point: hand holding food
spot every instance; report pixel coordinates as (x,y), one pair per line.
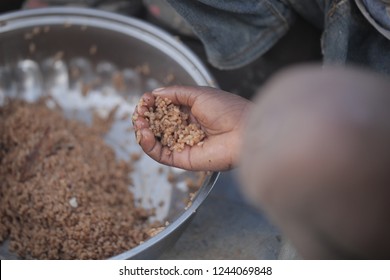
(194,128)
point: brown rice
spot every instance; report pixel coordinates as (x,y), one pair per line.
(171,126)
(63,195)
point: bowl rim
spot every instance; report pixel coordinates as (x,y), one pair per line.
(109,20)
(26,18)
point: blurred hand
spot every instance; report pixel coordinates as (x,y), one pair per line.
(220,114)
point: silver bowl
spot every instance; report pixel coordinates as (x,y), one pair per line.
(58,51)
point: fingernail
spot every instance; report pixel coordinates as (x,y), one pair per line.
(157,90)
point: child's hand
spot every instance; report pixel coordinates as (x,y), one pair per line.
(221,116)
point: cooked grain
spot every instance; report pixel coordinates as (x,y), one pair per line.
(63,195)
(170,125)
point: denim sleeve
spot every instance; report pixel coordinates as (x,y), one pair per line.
(348,38)
(379,11)
(236,32)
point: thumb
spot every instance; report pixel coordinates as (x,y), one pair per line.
(183,95)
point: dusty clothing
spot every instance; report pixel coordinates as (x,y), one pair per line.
(237,32)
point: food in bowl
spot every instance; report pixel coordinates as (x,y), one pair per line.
(79,78)
(63,194)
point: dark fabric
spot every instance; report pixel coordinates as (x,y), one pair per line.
(235,32)
(350,39)
(377,9)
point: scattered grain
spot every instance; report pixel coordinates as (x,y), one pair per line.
(143,69)
(59,55)
(118,81)
(171,177)
(135,157)
(154,231)
(85,88)
(36,30)
(93,50)
(67,24)
(28,36)
(169,79)
(31,47)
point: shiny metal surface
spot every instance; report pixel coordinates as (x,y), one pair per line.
(40,52)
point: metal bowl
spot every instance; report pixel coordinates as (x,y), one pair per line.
(58,51)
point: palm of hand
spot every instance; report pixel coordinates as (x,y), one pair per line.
(220,114)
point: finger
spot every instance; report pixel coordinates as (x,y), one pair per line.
(148,142)
(140,123)
(210,156)
(146,101)
(154,149)
(195,158)
(183,95)
(162,154)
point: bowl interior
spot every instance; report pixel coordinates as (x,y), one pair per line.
(88,61)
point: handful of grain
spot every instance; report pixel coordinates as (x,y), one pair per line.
(170,125)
